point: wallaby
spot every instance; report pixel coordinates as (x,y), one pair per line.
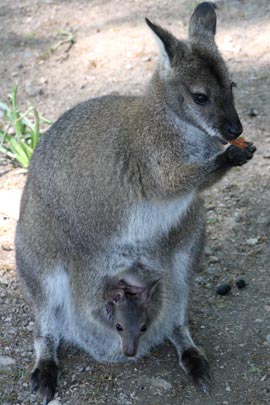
(117,179)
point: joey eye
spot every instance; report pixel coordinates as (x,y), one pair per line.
(200,98)
(144,328)
(118,327)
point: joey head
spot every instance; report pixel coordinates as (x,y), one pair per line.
(127,308)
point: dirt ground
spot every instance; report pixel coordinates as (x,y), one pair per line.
(114,52)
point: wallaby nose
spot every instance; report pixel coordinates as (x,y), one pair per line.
(235,130)
(129,351)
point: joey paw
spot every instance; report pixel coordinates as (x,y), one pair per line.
(237,156)
(44,380)
(197,368)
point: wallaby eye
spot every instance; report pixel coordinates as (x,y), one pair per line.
(118,327)
(233,84)
(144,328)
(200,98)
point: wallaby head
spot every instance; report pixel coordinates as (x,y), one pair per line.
(128,308)
(193,80)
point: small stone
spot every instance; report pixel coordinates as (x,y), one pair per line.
(240,283)
(266,155)
(7,246)
(54,402)
(252,241)
(160,384)
(213,259)
(268,339)
(11,131)
(263,220)
(146,58)
(223,289)
(253,112)
(6,361)
(32,90)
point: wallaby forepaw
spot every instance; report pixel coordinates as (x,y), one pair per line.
(44,380)
(197,368)
(237,156)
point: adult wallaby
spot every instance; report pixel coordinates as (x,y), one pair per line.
(117,178)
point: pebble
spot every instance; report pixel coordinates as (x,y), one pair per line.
(54,402)
(7,246)
(213,259)
(253,112)
(252,241)
(263,220)
(223,289)
(268,339)
(146,58)
(6,361)
(160,384)
(32,90)
(240,283)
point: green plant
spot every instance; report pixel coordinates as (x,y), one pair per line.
(19,132)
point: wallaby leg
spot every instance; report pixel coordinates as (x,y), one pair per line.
(44,375)
(191,359)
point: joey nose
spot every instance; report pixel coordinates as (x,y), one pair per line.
(129,351)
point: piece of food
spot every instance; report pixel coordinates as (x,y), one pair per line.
(240,143)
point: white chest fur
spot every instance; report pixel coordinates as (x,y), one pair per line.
(150,220)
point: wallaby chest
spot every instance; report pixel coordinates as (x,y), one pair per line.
(151,220)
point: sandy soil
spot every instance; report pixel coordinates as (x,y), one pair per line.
(114,52)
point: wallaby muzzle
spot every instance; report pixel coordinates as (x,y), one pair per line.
(231,126)
(129,346)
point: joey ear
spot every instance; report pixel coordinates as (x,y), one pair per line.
(203,21)
(169,46)
(131,289)
(116,295)
(146,295)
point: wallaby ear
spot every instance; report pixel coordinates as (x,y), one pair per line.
(169,46)
(203,22)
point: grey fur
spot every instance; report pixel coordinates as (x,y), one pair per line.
(115,181)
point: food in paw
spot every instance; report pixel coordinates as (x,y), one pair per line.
(240,143)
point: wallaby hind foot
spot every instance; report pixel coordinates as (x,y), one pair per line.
(196,366)
(191,359)
(44,380)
